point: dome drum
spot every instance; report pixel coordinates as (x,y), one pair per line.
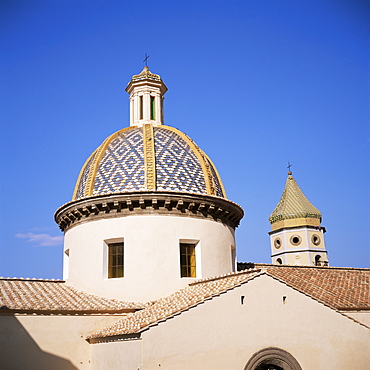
(141,203)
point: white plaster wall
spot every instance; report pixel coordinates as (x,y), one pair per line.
(361,316)
(152,254)
(109,356)
(224,334)
(43,342)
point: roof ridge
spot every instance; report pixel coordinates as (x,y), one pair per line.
(314,267)
(31,279)
(161,310)
(219,277)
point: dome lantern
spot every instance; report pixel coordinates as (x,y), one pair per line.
(146,98)
(148,156)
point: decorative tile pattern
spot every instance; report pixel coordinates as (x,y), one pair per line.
(217,184)
(177,166)
(122,166)
(148,158)
(149,155)
(83,180)
(293,204)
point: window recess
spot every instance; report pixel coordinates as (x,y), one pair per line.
(152,108)
(187,260)
(115,260)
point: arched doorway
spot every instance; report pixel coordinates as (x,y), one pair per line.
(272,358)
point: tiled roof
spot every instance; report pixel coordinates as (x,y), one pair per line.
(54,295)
(293,204)
(338,288)
(176,303)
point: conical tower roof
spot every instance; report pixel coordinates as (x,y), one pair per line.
(293,204)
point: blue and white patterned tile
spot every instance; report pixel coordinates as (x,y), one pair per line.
(122,166)
(173,157)
(83,181)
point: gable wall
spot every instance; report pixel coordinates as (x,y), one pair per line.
(224,334)
(117,355)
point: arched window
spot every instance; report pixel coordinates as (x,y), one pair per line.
(279,261)
(272,358)
(317,260)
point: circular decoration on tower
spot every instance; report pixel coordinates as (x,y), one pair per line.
(277,243)
(295,240)
(315,239)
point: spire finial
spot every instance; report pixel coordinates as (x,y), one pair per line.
(288,167)
(146,59)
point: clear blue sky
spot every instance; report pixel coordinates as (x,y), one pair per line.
(255,83)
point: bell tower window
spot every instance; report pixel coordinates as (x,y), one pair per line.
(152,108)
(141,107)
(115,260)
(187,260)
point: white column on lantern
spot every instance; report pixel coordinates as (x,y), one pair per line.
(146,103)
(158,113)
(131,111)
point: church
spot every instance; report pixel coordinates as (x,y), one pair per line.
(150,276)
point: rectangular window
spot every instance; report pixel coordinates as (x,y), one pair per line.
(115,260)
(187,260)
(141,107)
(233,258)
(66,264)
(152,107)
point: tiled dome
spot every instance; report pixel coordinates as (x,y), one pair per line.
(148,158)
(293,204)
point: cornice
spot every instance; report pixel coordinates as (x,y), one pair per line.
(148,203)
(298,227)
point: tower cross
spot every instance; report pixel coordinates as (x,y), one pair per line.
(288,167)
(146,59)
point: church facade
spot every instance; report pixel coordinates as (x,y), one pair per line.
(150,278)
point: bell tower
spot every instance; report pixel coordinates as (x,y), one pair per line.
(297,237)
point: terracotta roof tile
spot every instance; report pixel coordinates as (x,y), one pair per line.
(176,303)
(339,288)
(54,295)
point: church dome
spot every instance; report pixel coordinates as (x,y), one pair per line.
(148,158)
